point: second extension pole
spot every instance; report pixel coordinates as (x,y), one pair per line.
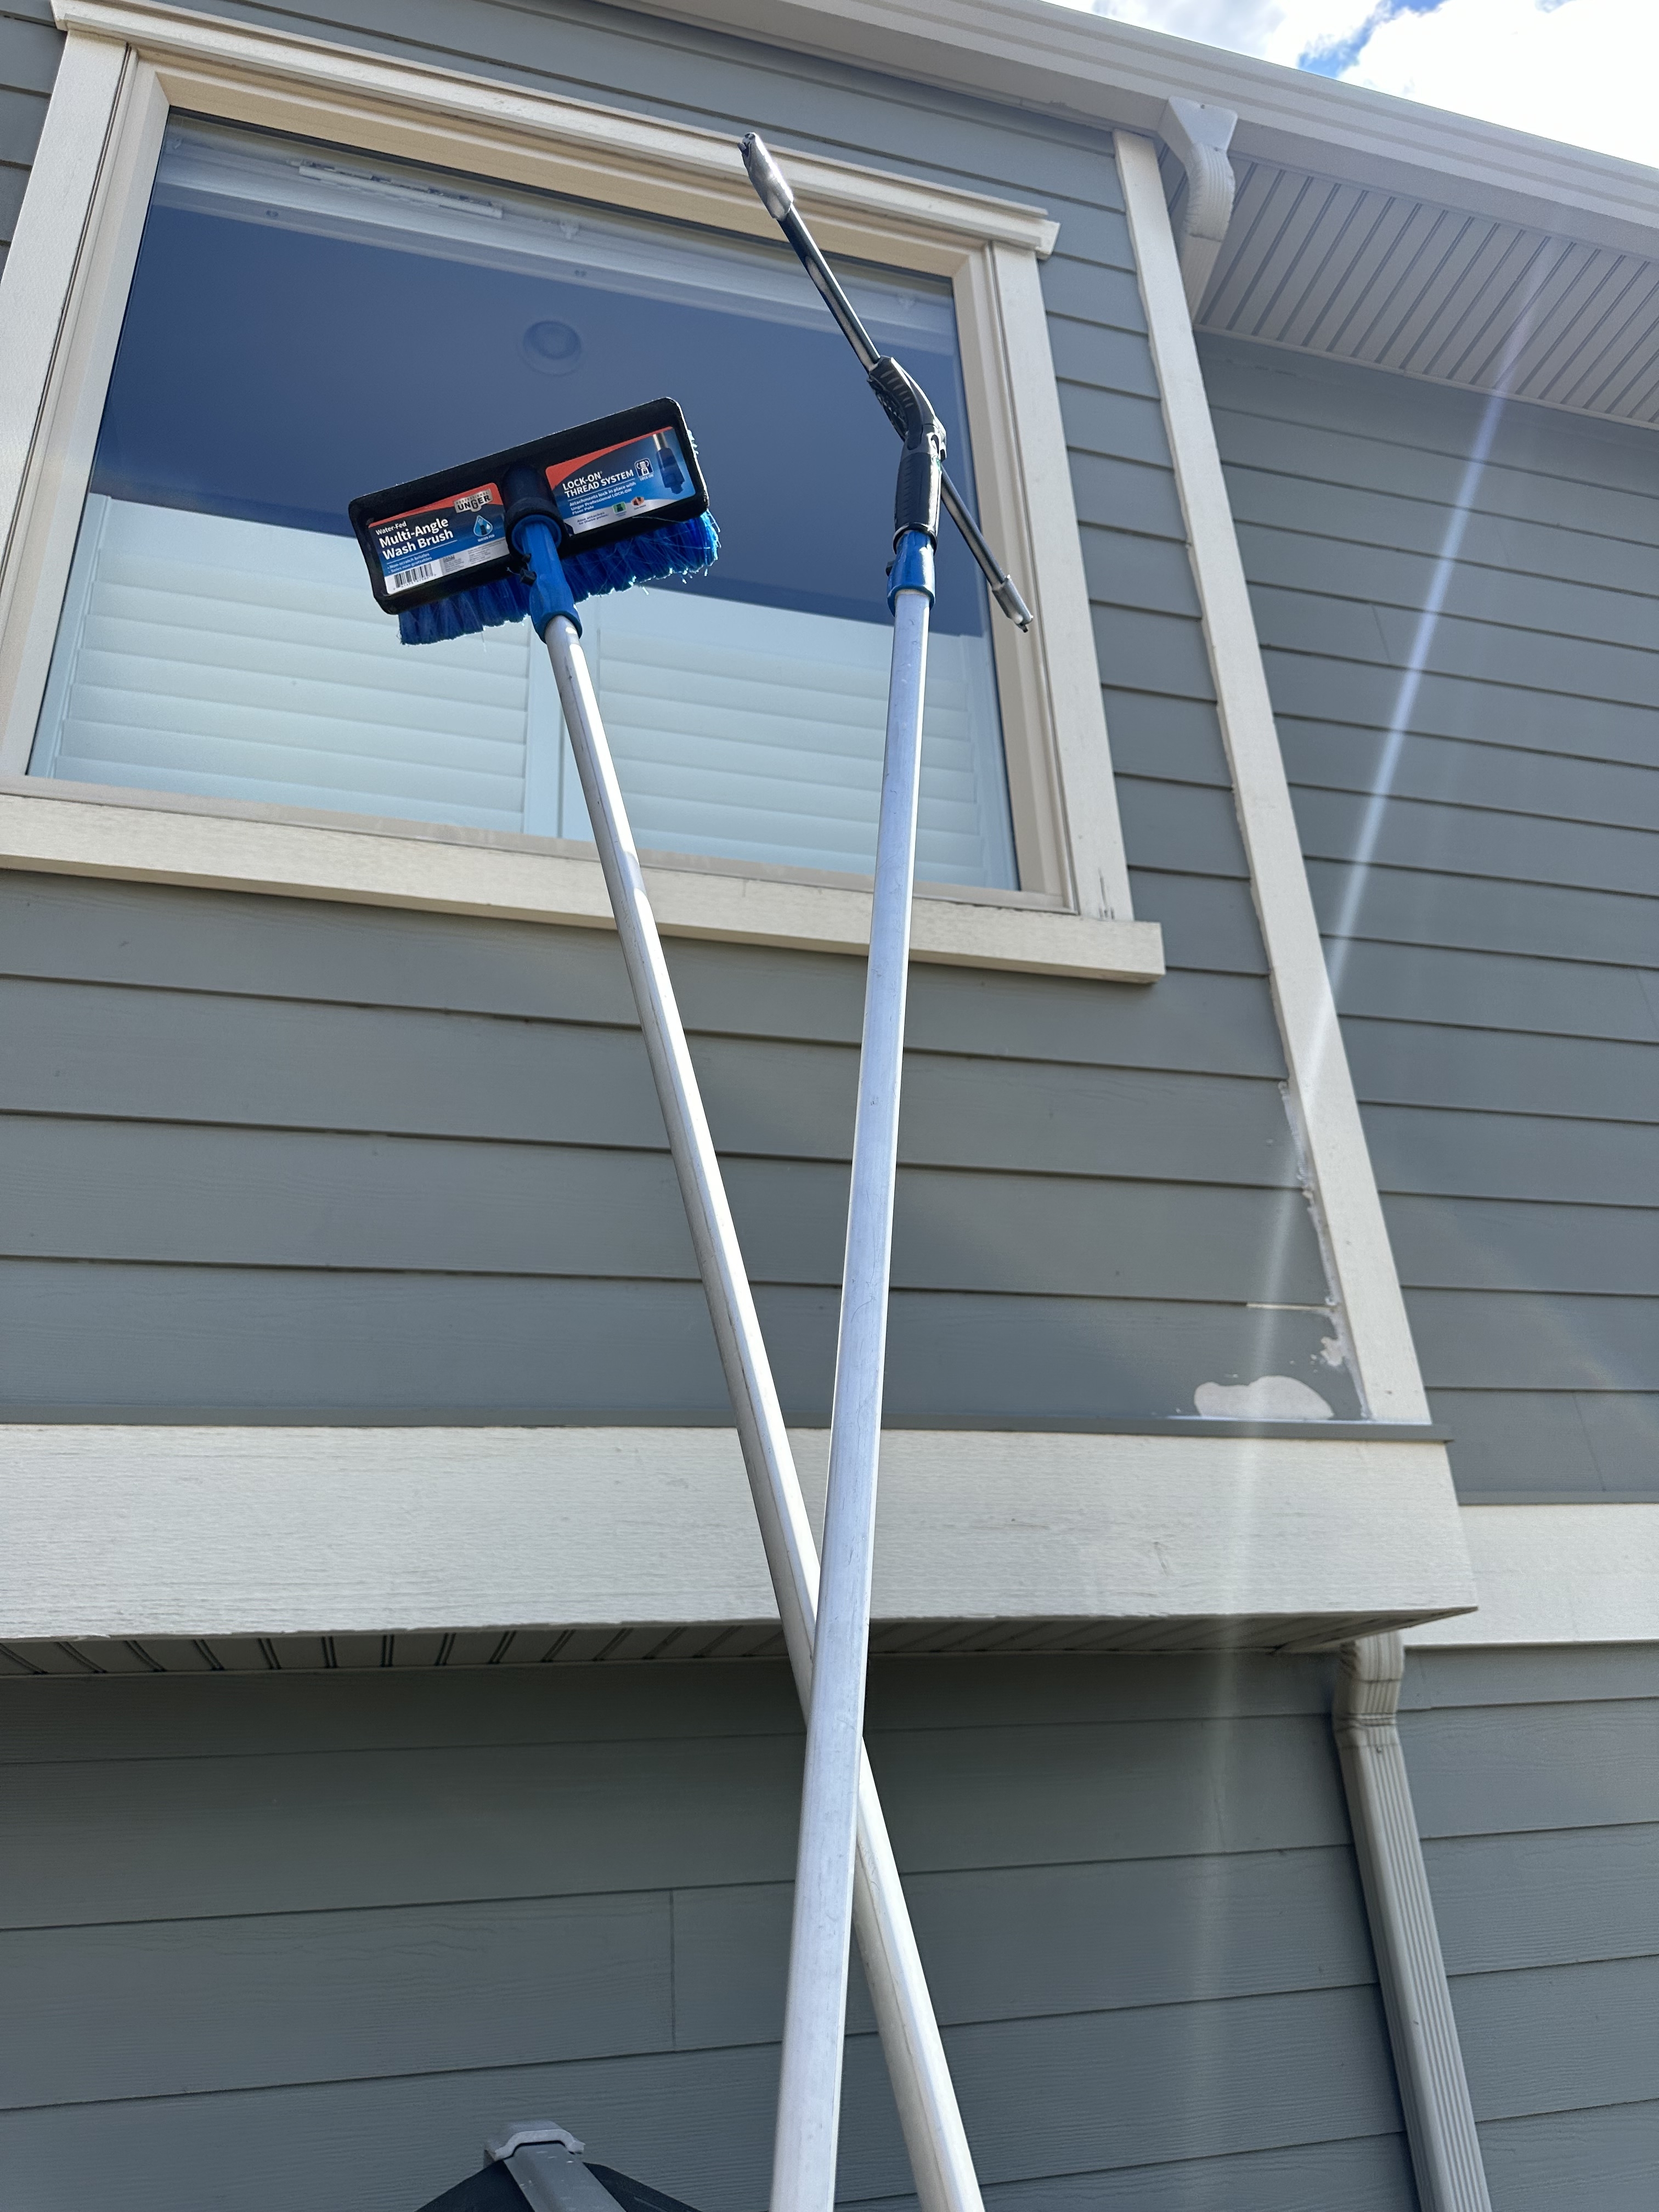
(809,2091)
(934,2138)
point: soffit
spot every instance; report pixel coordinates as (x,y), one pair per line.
(1391,281)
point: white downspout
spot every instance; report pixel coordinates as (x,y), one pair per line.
(1427,2058)
(1199,138)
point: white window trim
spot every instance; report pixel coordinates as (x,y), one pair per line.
(124,67)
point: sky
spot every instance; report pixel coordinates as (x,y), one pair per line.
(1580,71)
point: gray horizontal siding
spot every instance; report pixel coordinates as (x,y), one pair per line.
(1605,2157)
(30,44)
(156,1192)
(220,1058)
(1535,1776)
(363,956)
(698,2122)
(271,1159)
(1477,789)
(356,1922)
(1471,990)
(286,1159)
(1582,1442)
(1338,691)
(1450,772)
(1421,1149)
(194,1343)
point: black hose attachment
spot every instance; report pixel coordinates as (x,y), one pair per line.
(772,188)
(921,465)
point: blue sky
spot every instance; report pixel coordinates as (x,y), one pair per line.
(1580,71)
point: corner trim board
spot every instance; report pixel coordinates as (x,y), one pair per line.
(1321,1088)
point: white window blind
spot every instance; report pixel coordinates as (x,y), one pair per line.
(201,653)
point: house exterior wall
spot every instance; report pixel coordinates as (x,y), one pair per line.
(29,46)
(438,1178)
(356,1921)
(1478,791)
(291,1940)
(1535,1776)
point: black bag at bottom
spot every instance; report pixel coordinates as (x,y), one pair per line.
(494,2190)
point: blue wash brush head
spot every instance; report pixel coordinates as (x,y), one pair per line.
(678,549)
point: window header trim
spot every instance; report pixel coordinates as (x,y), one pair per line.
(554,144)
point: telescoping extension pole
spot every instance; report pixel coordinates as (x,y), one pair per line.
(809,2095)
(937,2147)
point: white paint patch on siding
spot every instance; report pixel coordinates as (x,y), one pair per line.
(1269,1398)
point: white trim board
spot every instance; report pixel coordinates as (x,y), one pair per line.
(1557,1574)
(120,1531)
(66,830)
(1325,1112)
(126,67)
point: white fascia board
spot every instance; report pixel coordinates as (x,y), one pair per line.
(1091,69)
(1557,1574)
(121,1531)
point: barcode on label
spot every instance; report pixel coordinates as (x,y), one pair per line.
(447,564)
(408,578)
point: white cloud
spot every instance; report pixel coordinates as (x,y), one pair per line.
(1580,71)
(1278,30)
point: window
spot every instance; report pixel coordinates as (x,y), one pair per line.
(195,686)
(305,324)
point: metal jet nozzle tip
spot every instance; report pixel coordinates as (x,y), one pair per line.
(767,178)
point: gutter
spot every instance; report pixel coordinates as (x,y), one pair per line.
(1089,69)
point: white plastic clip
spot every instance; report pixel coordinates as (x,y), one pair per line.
(532,2131)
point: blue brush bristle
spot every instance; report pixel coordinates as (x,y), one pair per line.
(678,549)
(506,599)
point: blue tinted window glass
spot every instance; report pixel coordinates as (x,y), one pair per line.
(305,325)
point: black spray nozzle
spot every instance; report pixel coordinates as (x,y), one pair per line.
(921,470)
(772,188)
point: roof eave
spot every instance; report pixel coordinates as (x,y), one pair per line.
(1090,69)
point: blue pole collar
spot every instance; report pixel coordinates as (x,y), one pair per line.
(549,591)
(913,566)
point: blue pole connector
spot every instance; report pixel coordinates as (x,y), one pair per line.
(913,566)
(550,593)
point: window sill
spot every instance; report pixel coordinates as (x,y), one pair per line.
(220,845)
